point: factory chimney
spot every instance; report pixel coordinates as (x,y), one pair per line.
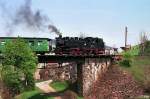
(126,34)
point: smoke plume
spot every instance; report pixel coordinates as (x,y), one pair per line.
(52,28)
(30,19)
(26,18)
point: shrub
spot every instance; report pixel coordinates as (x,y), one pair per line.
(125,63)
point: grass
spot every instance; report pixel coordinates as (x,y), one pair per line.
(59,86)
(139,65)
(34,94)
(140,70)
(79,97)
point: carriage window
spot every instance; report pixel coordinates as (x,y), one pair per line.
(3,43)
(39,43)
(31,43)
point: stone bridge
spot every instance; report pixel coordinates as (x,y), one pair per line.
(85,69)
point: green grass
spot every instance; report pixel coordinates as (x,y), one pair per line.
(138,66)
(79,97)
(59,86)
(34,94)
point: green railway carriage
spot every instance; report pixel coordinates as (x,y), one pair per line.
(38,45)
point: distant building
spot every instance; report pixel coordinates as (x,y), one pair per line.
(126,48)
(111,50)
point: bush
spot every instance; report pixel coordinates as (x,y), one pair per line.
(125,63)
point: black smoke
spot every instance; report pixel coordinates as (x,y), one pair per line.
(53,28)
(30,19)
(26,18)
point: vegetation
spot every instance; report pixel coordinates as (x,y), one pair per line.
(59,86)
(140,69)
(140,65)
(127,59)
(37,93)
(33,94)
(18,66)
(146,49)
(144,44)
(134,51)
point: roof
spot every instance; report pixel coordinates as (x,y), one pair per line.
(24,38)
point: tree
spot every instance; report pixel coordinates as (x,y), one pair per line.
(18,66)
(143,43)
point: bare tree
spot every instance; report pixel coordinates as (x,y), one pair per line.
(143,40)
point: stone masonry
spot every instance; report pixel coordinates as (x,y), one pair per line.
(89,71)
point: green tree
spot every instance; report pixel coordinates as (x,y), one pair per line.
(18,66)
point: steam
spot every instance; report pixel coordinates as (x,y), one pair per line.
(25,18)
(30,19)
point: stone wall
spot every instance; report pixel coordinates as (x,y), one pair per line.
(55,71)
(91,69)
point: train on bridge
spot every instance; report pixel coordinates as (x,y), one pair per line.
(74,46)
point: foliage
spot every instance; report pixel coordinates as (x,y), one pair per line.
(127,59)
(125,63)
(135,50)
(127,55)
(18,66)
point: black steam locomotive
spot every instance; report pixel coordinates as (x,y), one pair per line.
(79,46)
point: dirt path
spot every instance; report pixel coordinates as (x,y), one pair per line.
(115,84)
(44,86)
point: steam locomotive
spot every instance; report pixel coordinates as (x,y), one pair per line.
(62,45)
(79,46)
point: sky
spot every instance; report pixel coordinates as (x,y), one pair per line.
(97,18)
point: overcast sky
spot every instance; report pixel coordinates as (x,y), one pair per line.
(98,18)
